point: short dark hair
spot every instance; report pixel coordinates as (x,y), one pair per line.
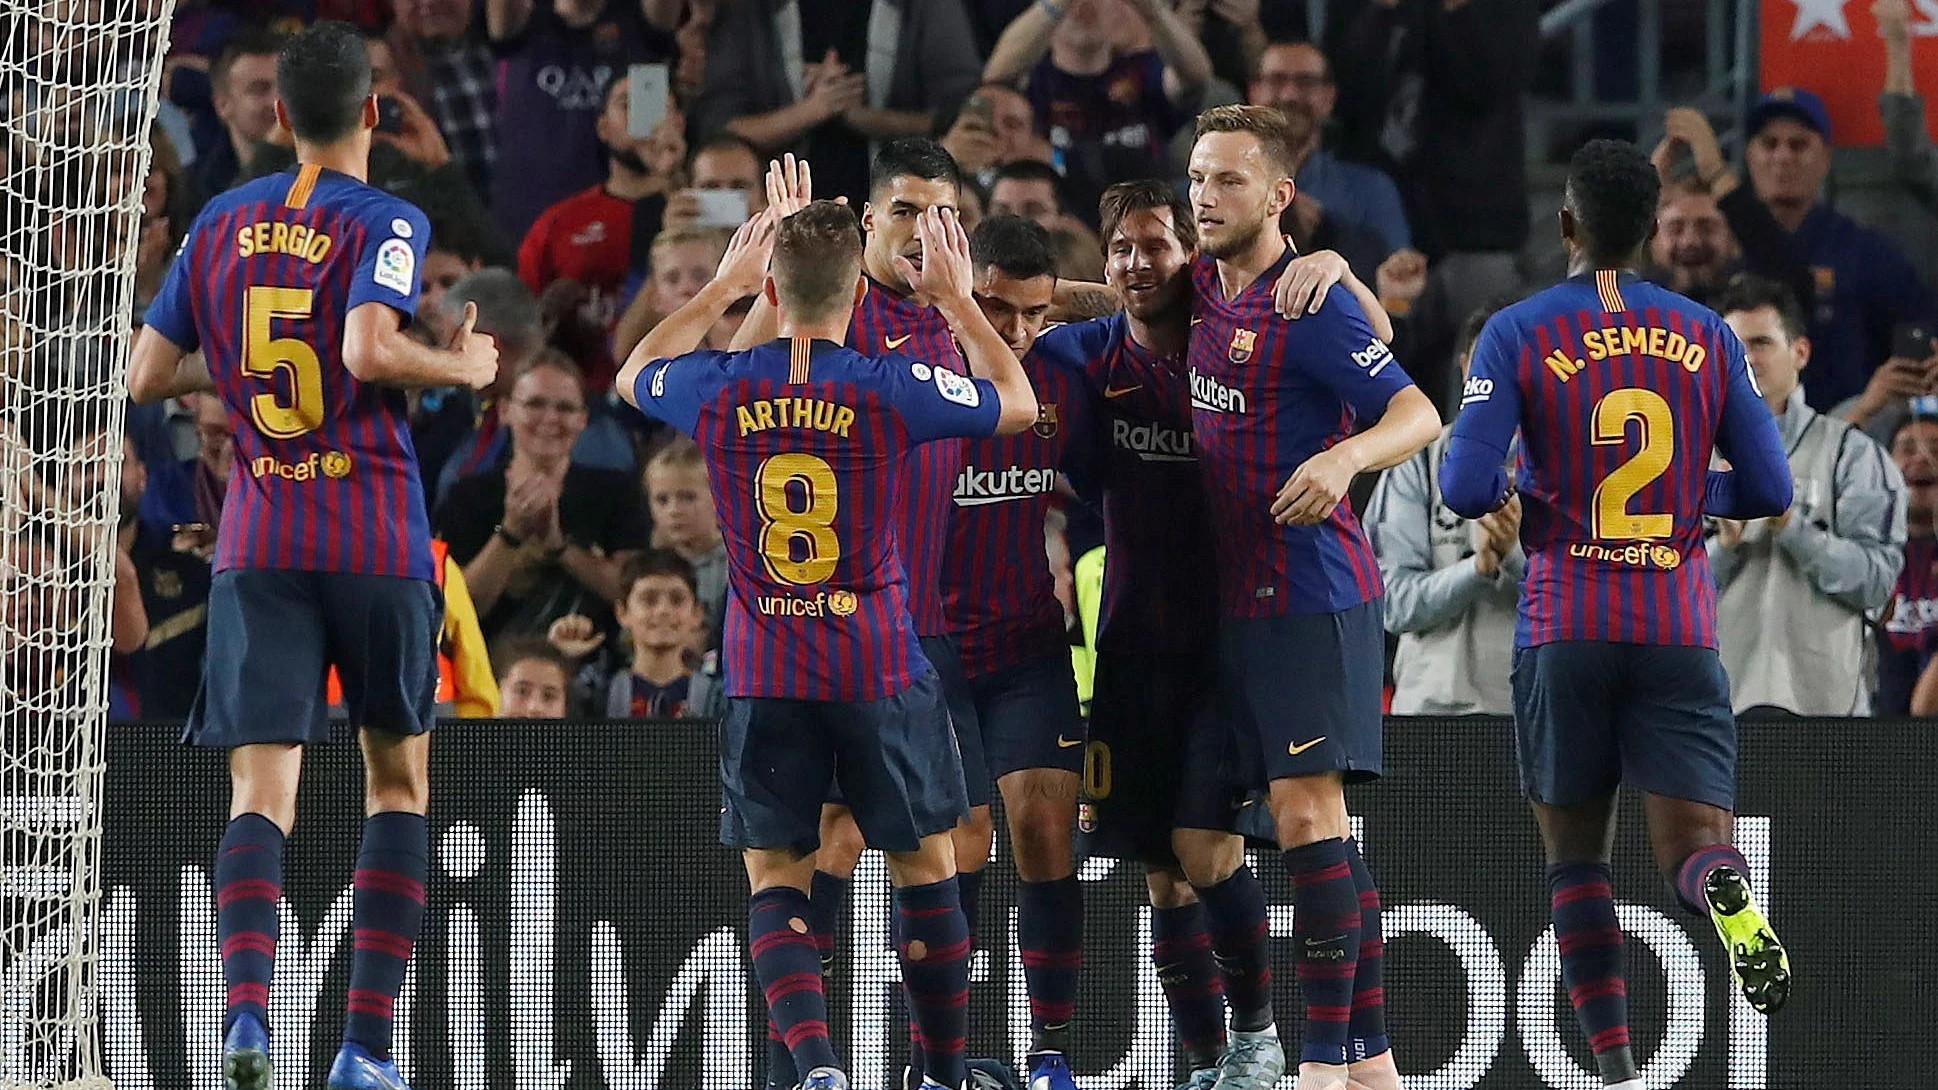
(1476,321)
(1018,248)
(817,259)
(912,157)
(512,650)
(323,78)
(1265,124)
(723,141)
(1030,170)
(1146,195)
(651,562)
(1747,292)
(1612,191)
(248,42)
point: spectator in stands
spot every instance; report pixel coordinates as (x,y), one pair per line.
(1452,587)
(682,262)
(1435,90)
(1912,155)
(242,82)
(1864,286)
(1711,226)
(541,537)
(534,680)
(557,61)
(1031,189)
(439,36)
(458,433)
(1233,33)
(653,677)
(1797,592)
(681,503)
(995,127)
(450,257)
(1296,78)
(413,162)
(808,77)
(586,246)
(1908,642)
(159,676)
(165,216)
(723,162)
(1109,116)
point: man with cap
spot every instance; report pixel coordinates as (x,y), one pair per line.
(1863,285)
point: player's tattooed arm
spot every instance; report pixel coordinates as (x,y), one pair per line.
(743,269)
(160,370)
(1082,300)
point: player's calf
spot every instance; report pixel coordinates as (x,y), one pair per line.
(780,938)
(1181,950)
(932,939)
(1590,938)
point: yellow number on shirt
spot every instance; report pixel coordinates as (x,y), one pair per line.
(1096,770)
(811,522)
(1613,412)
(263,355)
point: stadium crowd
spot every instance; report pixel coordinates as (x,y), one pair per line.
(583,570)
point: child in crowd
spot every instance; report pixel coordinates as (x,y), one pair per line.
(681,505)
(534,679)
(654,677)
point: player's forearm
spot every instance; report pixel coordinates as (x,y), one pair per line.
(1409,423)
(375,350)
(129,627)
(1022,44)
(1376,315)
(1472,480)
(159,370)
(677,334)
(1082,300)
(990,358)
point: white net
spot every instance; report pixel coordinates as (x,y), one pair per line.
(79,81)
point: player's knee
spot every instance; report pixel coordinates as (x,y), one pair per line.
(1040,834)
(1169,888)
(1207,857)
(841,843)
(975,839)
(1306,809)
(933,861)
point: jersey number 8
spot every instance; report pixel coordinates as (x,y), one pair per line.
(263,355)
(796,494)
(1613,412)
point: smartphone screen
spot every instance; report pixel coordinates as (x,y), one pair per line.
(722,207)
(647,94)
(1912,340)
(390,114)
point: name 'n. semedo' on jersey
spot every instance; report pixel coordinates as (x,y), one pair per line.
(1620,391)
(805,443)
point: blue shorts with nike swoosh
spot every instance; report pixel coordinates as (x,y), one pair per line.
(1026,716)
(1302,690)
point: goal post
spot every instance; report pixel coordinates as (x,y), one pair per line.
(78,96)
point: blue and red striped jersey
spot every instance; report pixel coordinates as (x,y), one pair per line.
(325,476)
(1621,390)
(804,442)
(1158,596)
(996,584)
(1267,394)
(886,322)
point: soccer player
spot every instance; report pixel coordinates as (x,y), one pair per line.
(805,439)
(1621,391)
(1275,404)
(294,287)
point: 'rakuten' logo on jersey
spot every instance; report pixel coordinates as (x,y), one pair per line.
(1373,358)
(1209,394)
(978,487)
(1152,443)
(1476,389)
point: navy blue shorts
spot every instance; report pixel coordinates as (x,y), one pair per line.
(1026,716)
(1302,691)
(1159,759)
(947,660)
(895,757)
(274,634)
(1591,716)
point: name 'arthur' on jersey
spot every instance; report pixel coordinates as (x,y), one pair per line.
(1266,395)
(326,477)
(805,443)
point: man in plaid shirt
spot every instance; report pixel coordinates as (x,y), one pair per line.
(459,70)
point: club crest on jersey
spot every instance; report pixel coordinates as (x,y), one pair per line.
(1045,426)
(1244,342)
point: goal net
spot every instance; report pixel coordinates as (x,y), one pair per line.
(78,82)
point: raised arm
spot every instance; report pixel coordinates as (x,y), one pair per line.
(1023,42)
(1187,67)
(742,272)
(948,277)
(1473,479)
(506,19)
(376,349)
(1759,484)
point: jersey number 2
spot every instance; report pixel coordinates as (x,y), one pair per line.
(1613,412)
(811,522)
(264,354)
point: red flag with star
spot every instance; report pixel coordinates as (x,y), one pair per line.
(1832,47)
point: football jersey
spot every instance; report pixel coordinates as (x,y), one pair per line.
(1159,594)
(1621,390)
(886,322)
(997,589)
(1267,394)
(325,475)
(804,442)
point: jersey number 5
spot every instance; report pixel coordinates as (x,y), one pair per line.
(796,494)
(264,354)
(1613,412)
